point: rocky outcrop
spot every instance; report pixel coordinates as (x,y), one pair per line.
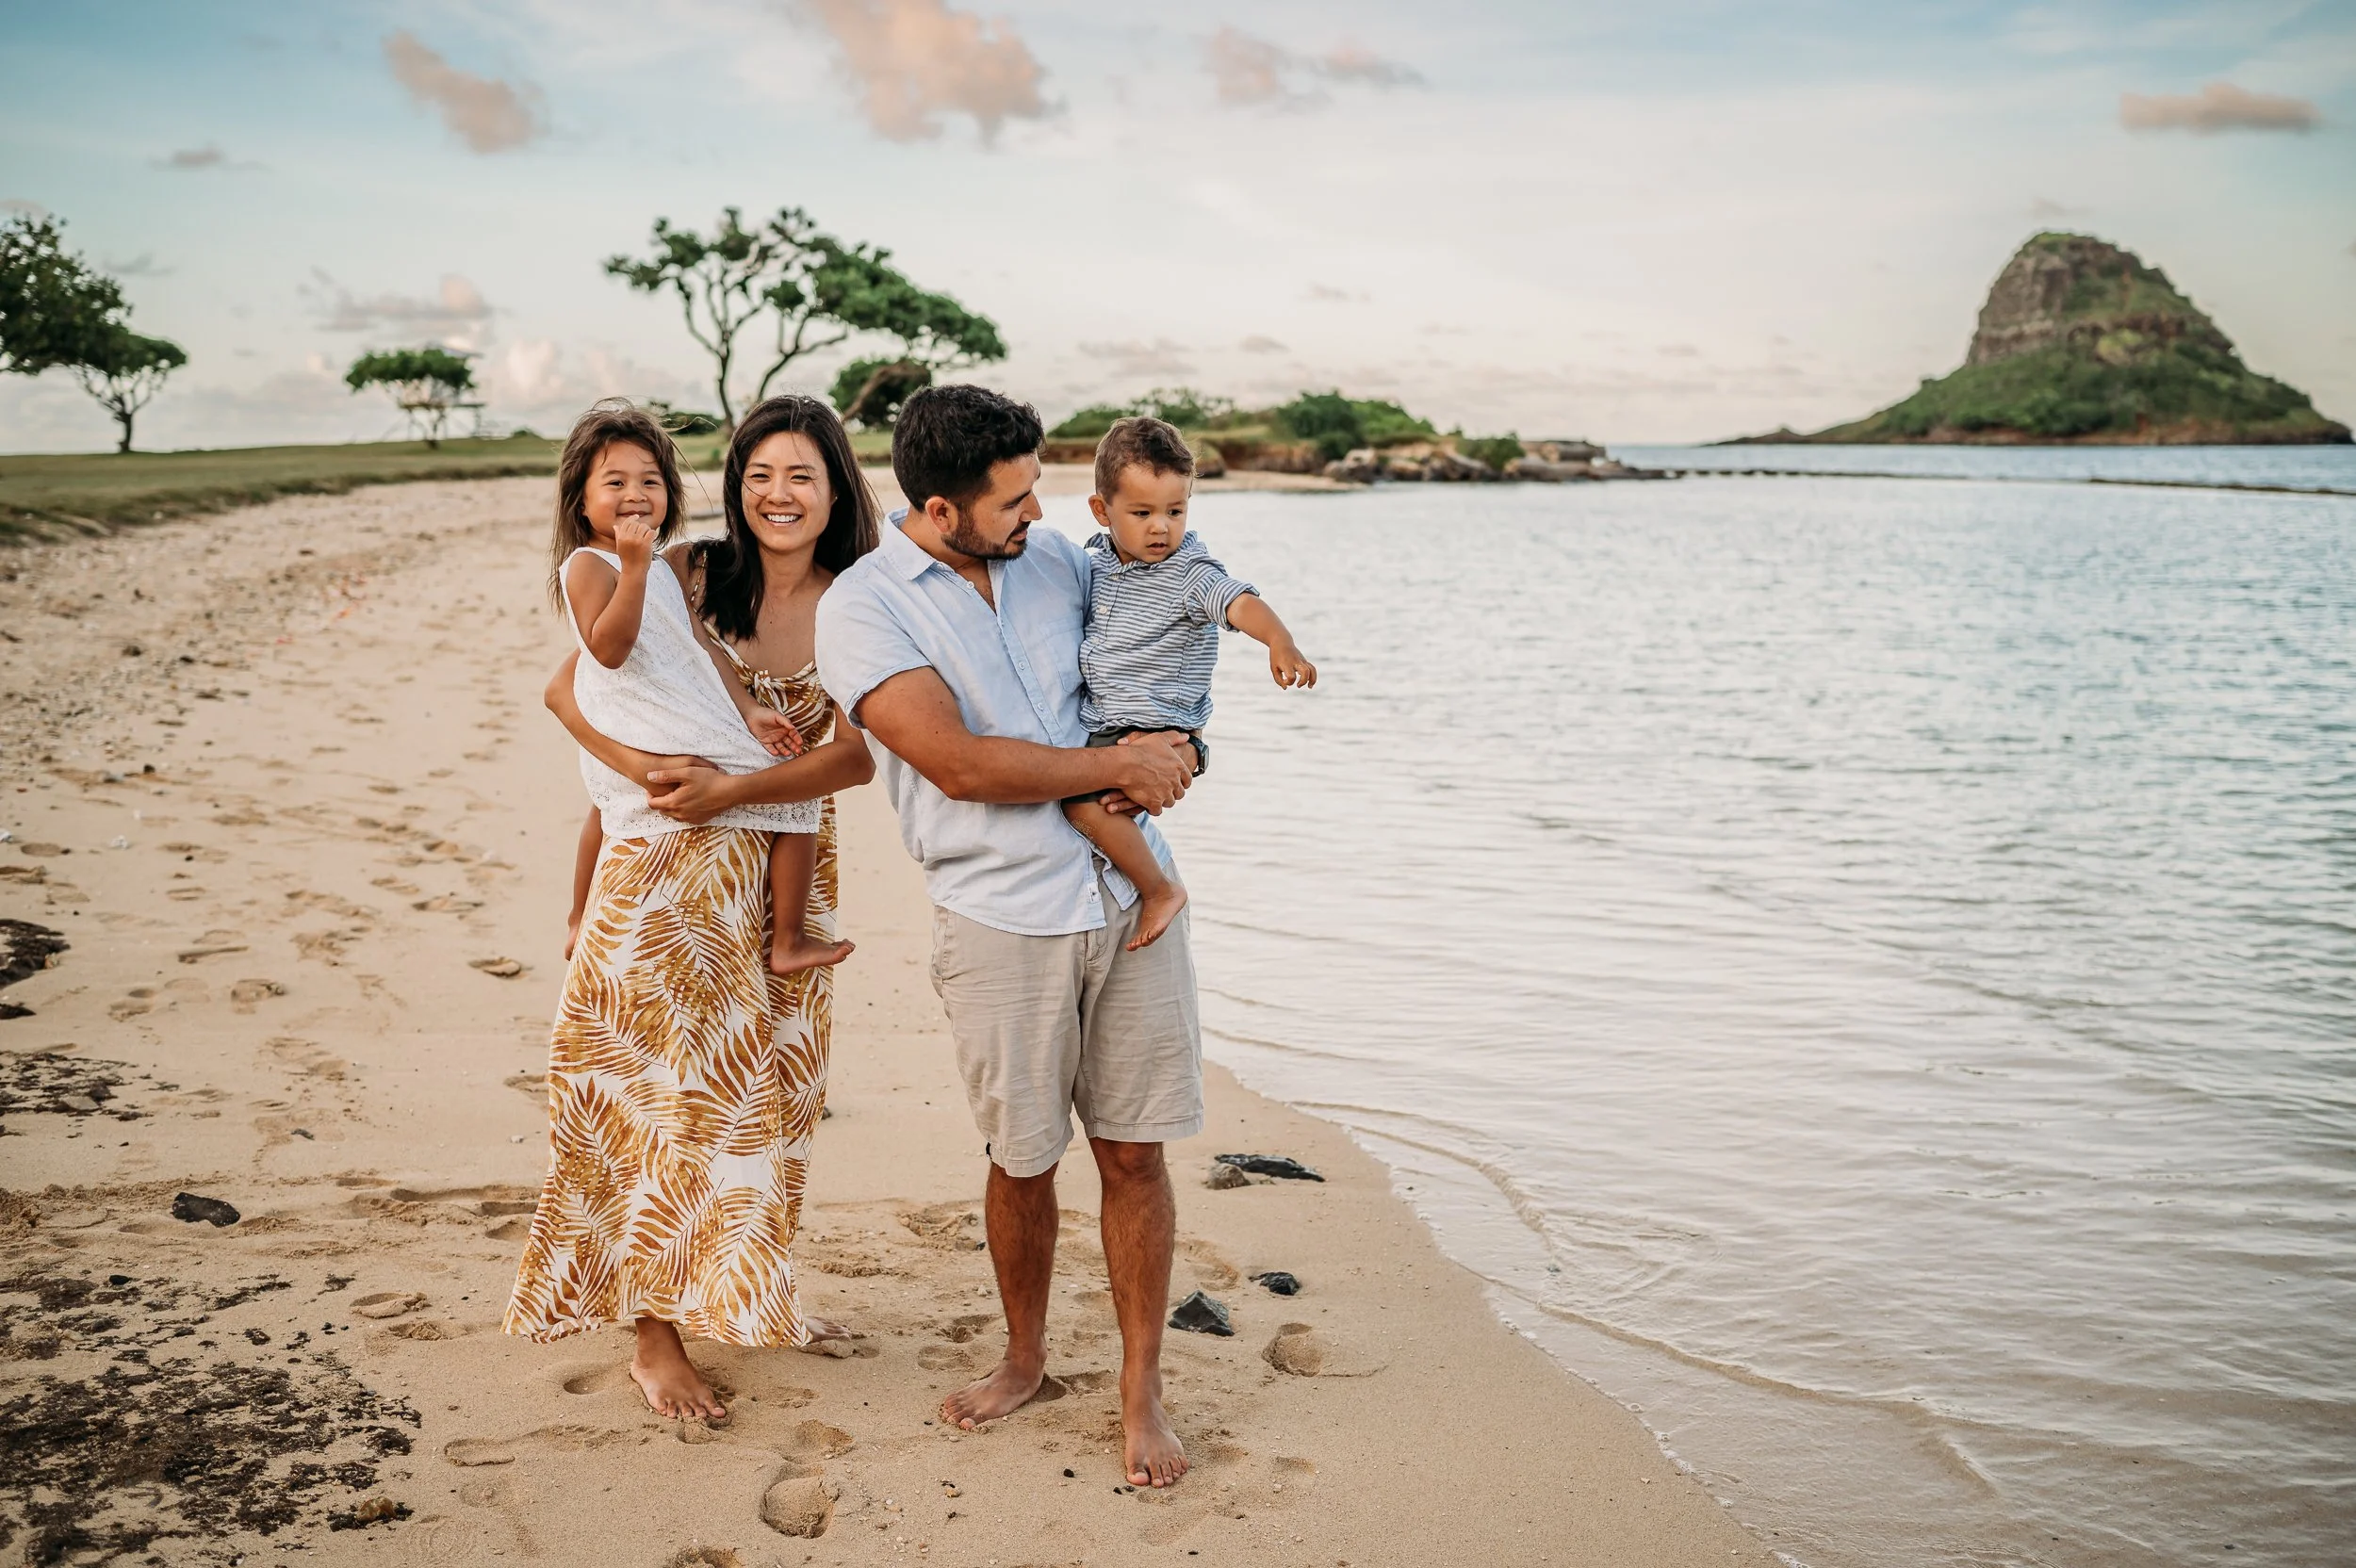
(2079,341)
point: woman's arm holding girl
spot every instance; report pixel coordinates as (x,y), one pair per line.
(698,791)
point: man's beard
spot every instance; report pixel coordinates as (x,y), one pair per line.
(966,540)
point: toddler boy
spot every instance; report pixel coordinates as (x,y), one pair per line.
(1156,604)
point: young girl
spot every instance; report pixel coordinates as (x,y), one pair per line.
(653,679)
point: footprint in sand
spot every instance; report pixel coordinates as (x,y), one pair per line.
(246,993)
(389,1303)
(1302,1350)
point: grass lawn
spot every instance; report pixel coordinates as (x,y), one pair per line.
(50,497)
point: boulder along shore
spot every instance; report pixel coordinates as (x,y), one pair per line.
(282,902)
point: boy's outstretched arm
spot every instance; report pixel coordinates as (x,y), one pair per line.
(1250,614)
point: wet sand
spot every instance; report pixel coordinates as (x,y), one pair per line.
(281,780)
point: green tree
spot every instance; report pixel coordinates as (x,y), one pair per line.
(425,382)
(1185,407)
(868,392)
(820,292)
(1327,418)
(53,308)
(124,371)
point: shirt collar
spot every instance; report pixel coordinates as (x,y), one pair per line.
(906,555)
(1103,546)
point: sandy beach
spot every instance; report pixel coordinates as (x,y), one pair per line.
(281,779)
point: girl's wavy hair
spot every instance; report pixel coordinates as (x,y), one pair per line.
(608,421)
(731,566)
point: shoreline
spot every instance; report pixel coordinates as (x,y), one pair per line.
(288,988)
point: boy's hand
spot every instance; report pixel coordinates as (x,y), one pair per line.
(775,733)
(633,541)
(1284,662)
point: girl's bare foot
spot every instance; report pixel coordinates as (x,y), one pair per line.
(1006,1390)
(670,1380)
(1155,911)
(805,952)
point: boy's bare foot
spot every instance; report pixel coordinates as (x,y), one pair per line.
(1155,911)
(794,957)
(1006,1390)
(670,1380)
(1151,1453)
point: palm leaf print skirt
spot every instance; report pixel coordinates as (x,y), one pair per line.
(685,1084)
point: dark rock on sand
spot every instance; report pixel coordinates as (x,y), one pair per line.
(187,1206)
(1200,1314)
(1284,1167)
(1278,1282)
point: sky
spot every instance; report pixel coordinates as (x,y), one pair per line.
(1680,221)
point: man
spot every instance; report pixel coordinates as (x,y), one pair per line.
(956,645)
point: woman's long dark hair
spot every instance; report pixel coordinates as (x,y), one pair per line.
(731,566)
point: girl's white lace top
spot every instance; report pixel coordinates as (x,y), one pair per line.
(668,697)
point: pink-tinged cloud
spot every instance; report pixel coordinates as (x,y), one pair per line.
(915,60)
(456,314)
(488,115)
(188,159)
(2219,106)
(1251,70)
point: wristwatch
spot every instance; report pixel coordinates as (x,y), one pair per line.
(1202,755)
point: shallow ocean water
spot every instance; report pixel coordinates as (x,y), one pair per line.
(1867,968)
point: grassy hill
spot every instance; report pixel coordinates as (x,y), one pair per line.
(2081,341)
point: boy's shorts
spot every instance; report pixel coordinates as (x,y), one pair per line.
(1049,1025)
(1114,738)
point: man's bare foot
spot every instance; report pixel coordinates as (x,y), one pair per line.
(670,1380)
(1155,911)
(794,956)
(1150,1452)
(1007,1389)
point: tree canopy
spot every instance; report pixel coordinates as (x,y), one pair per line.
(124,370)
(818,291)
(54,307)
(426,384)
(58,311)
(868,392)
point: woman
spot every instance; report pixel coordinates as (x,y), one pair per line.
(685,1079)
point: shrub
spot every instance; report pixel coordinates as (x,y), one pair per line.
(1496,450)
(1327,418)
(1091,421)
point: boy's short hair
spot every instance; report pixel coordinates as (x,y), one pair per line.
(948,438)
(1141,441)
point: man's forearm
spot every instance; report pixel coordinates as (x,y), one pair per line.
(995,770)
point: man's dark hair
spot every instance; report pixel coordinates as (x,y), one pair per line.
(1141,441)
(950,437)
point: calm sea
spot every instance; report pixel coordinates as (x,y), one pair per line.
(1866,968)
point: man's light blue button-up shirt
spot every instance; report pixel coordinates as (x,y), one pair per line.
(1015,671)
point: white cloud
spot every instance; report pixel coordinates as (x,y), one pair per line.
(189,159)
(2219,106)
(2043,208)
(914,60)
(1160,357)
(1260,343)
(457,314)
(18,203)
(488,115)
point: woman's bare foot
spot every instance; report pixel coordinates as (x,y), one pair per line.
(670,1380)
(794,956)
(1151,1453)
(1006,1390)
(1155,911)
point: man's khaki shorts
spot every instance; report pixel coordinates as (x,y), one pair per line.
(1049,1025)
